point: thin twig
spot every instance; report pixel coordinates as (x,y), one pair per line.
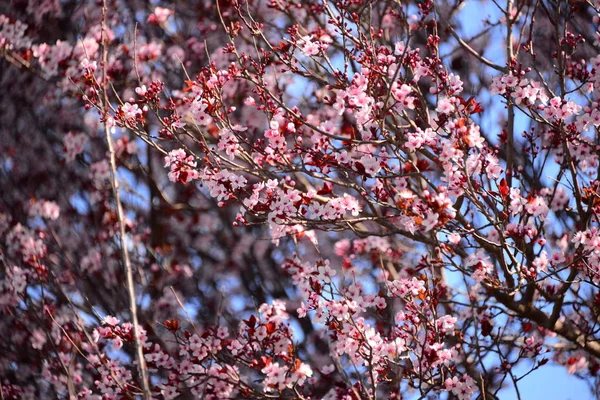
(510,133)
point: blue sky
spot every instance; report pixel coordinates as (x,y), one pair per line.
(550,381)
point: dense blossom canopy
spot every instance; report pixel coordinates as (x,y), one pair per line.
(322,199)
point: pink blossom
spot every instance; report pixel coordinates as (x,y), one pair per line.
(45,209)
(463,388)
(537,207)
(38,339)
(110,320)
(309,46)
(74,144)
(160,15)
(131,111)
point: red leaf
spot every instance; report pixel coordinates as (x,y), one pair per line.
(471,106)
(504,189)
(251,322)
(327,188)
(360,168)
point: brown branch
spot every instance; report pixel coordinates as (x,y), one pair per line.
(474,52)
(123,238)
(567,331)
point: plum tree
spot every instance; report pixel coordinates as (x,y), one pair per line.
(348,199)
